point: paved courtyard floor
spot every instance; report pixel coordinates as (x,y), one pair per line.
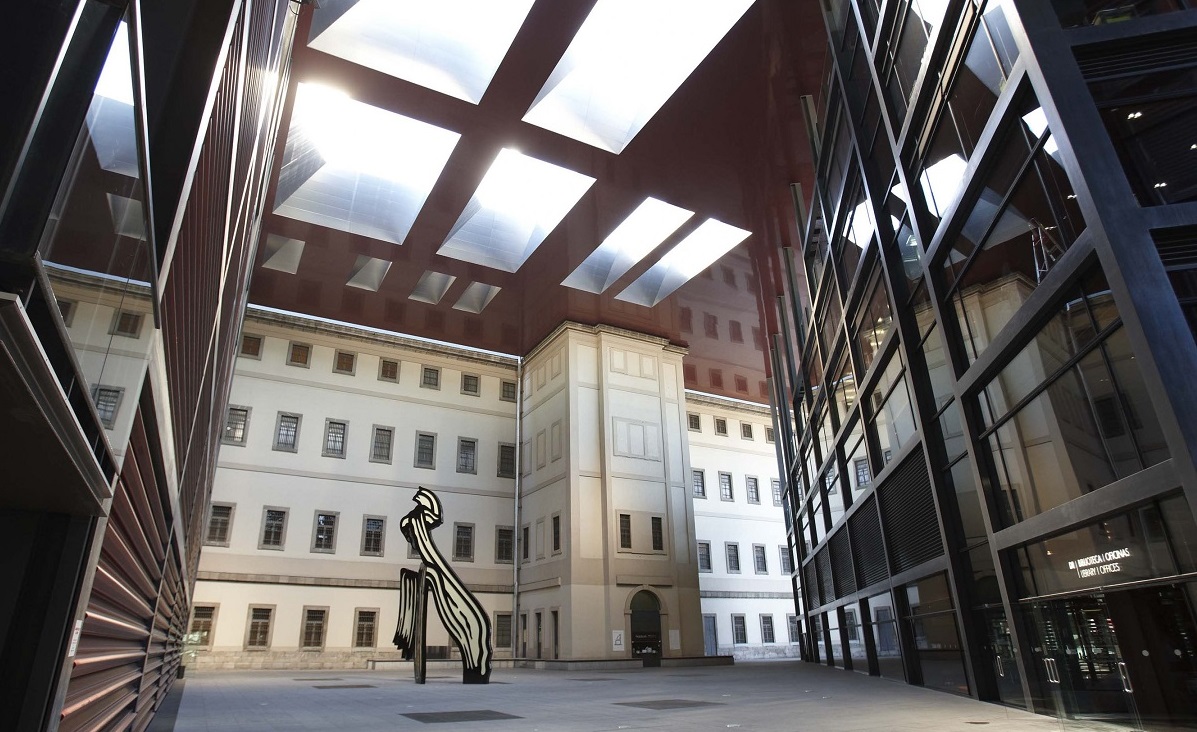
(748,696)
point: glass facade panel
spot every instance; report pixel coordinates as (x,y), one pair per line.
(885,636)
(932,623)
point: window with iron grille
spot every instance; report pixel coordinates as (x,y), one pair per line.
(506,460)
(720,426)
(556,533)
(463,542)
(787,560)
(467,455)
(725,487)
(767,629)
(202,617)
(313,627)
(251,346)
(107,399)
(324,538)
(274,526)
(700,484)
(127,324)
(364,628)
(752,490)
(286,433)
(502,630)
(334,438)
(768,434)
(235,424)
(739,630)
(344,362)
(507,391)
(733,557)
(373,531)
(704,556)
(658,529)
(299,354)
(776,486)
(259,627)
(471,384)
(625,531)
(388,370)
(430,377)
(380,444)
(694,421)
(425,450)
(792,621)
(504,544)
(220,518)
(758,559)
(746,430)
(863,475)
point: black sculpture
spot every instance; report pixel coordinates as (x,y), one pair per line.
(460,611)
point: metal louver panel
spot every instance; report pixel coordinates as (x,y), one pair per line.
(826,583)
(1177,247)
(868,549)
(1144,53)
(841,563)
(908,515)
(811,581)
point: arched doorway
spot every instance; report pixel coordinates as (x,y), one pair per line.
(646,627)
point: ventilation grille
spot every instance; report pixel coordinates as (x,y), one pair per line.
(827,587)
(1145,53)
(811,580)
(908,515)
(1177,247)
(841,563)
(868,550)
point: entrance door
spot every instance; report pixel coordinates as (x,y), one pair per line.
(1005,666)
(710,644)
(539,635)
(556,635)
(646,627)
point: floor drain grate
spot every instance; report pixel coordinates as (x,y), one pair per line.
(468,715)
(660,704)
(342,686)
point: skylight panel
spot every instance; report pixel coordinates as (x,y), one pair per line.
(476,297)
(357,168)
(432,287)
(450,46)
(368,273)
(706,244)
(283,254)
(626,60)
(642,231)
(517,205)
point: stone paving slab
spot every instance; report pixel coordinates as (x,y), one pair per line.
(750,696)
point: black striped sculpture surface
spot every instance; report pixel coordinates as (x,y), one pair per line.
(459,610)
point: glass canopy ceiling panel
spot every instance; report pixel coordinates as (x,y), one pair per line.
(450,46)
(517,205)
(110,120)
(372,180)
(650,224)
(626,60)
(706,244)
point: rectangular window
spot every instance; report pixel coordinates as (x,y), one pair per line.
(507,391)
(506,461)
(299,354)
(733,557)
(768,434)
(373,532)
(425,450)
(787,560)
(700,484)
(502,630)
(658,528)
(313,628)
(625,531)
(739,630)
(725,487)
(704,556)
(720,426)
(286,432)
(220,519)
(66,308)
(251,346)
(863,476)
(388,370)
(365,627)
(127,324)
(344,362)
(463,542)
(202,618)
(324,537)
(334,438)
(258,635)
(710,324)
(776,486)
(736,331)
(758,559)
(556,533)
(504,544)
(274,528)
(752,490)
(792,622)
(471,384)
(767,629)
(694,421)
(467,455)
(430,377)
(524,544)
(746,430)
(380,444)
(235,424)
(107,399)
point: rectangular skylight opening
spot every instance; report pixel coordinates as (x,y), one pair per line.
(368,273)
(703,247)
(432,287)
(625,62)
(450,46)
(476,297)
(643,230)
(283,254)
(517,205)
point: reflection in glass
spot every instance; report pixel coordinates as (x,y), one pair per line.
(874,324)
(859,473)
(933,625)
(885,636)
(835,648)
